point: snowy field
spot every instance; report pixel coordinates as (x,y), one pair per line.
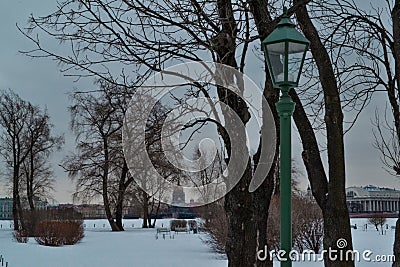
(139,247)
(101,248)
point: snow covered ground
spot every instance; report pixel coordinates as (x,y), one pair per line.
(101,248)
(139,247)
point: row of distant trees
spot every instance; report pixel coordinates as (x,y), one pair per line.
(98,166)
(26,143)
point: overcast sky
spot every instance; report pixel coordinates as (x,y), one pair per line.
(40,82)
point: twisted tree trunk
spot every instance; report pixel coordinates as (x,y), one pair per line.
(335,212)
(246,212)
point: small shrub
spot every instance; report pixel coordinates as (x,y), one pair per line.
(215,225)
(192,224)
(31,218)
(21,236)
(307,224)
(178,224)
(59,233)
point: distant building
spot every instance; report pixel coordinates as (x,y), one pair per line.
(6,208)
(309,194)
(6,205)
(178,196)
(371,198)
(91,211)
(38,203)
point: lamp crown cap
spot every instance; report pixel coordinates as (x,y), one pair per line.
(285,19)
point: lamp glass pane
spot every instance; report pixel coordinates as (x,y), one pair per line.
(296,48)
(276,55)
(295,57)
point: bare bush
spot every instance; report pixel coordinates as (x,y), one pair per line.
(192,224)
(32,217)
(273,224)
(21,236)
(377,220)
(307,224)
(215,225)
(59,233)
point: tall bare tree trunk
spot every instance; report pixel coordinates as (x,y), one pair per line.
(119,210)
(396,48)
(153,225)
(335,212)
(145,206)
(329,195)
(15,207)
(242,233)
(246,212)
(29,180)
(263,194)
(122,185)
(241,242)
(262,198)
(106,201)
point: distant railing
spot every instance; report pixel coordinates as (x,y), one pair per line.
(101,225)
(86,225)
(2,261)
(6,225)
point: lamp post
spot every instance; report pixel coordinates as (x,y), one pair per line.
(285,49)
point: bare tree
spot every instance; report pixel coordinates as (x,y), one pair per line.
(36,171)
(96,124)
(13,115)
(100,166)
(377,220)
(368,40)
(25,134)
(151,199)
(211,173)
(387,143)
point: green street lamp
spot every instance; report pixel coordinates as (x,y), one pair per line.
(285,50)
